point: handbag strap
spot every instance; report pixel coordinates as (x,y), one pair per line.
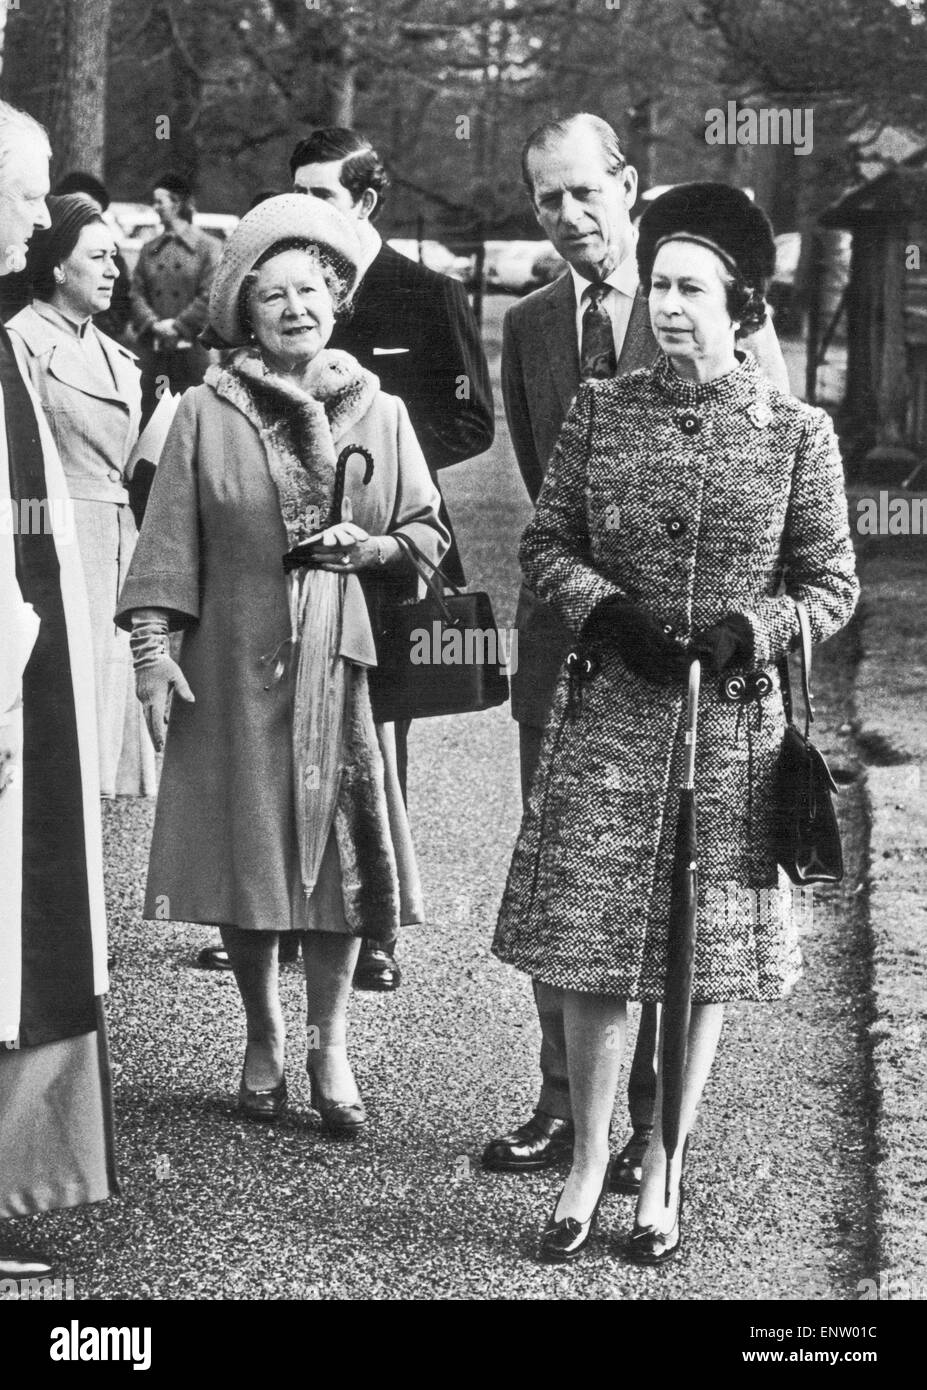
(804,628)
(418,560)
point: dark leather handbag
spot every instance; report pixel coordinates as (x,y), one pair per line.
(442,654)
(807,834)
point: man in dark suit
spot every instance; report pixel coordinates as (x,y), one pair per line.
(415,330)
(592,322)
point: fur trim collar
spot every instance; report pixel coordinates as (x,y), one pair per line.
(298,428)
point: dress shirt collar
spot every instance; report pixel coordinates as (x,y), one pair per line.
(370,249)
(624,279)
(59,320)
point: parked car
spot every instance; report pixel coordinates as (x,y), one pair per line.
(136,223)
(435,256)
(516,267)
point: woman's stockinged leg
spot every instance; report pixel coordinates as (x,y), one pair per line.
(594,1029)
(704,1032)
(330,958)
(253,957)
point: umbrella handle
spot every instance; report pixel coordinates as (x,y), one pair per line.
(695,678)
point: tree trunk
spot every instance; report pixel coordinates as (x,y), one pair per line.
(4,6)
(78,131)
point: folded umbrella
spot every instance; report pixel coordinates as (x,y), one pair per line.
(677,1003)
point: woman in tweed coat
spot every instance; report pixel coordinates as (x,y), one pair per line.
(678,500)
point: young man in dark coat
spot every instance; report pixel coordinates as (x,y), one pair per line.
(414,328)
(591,322)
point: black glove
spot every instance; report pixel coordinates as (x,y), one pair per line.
(646,647)
(728,643)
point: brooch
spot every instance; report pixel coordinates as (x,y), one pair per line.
(760,415)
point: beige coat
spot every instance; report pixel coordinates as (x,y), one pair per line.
(224,845)
(95,423)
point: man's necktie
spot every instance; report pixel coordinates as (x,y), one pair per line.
(597,356)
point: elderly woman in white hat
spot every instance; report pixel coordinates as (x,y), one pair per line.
(258,831)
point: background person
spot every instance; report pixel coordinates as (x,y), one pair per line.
(170,294)
(56,1135)
(723,484)
(90,391)
(415,330)
(248,469)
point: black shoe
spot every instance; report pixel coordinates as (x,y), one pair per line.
(339,1120)
(628,1164)
(543,1141)
(648,1246)
(565,1239)
(376,967)
(288,950)
(214,958)
(24,1266)
(262,1105)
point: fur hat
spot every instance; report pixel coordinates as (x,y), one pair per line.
(289,219)
(714,215)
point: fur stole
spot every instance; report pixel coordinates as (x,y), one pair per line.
(298,428)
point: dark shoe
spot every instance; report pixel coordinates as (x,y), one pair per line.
(214,958)
(24,1266)
(288,950)
(564,1240)
(543,1141)
(338,1120)
(648,1246)
(376,968)
(628,1164)
(262,1105)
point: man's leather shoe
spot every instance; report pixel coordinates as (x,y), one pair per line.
(376,968)
(544,1140)
(628,1164)
(214,958)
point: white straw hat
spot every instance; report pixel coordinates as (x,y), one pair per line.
(289,217)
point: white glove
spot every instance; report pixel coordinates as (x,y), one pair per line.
(157,676)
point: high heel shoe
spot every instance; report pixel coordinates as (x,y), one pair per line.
(339,1120)
(262,1105)
(564,1240)
(650,1246)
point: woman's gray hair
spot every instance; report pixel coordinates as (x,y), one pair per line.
(13,125)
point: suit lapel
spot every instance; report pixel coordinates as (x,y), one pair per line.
(560,340)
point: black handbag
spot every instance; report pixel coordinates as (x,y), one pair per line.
(442,654)
(807,834)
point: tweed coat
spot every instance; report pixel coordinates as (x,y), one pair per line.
(691,521)
(224,845)
(540,378)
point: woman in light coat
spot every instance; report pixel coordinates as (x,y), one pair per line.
(247,472)
(90,390)
(678,501)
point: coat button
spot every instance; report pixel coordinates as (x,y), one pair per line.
(675,526)
(114,475)
(689,423)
